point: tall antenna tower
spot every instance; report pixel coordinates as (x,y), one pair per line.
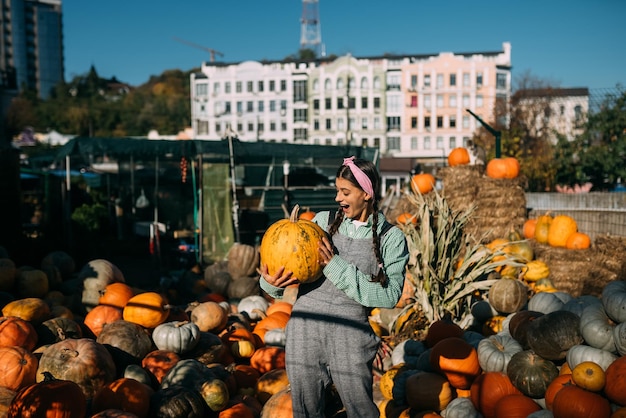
(311,31)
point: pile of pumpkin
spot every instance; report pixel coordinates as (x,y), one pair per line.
(87,344)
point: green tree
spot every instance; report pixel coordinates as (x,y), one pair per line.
(602,147)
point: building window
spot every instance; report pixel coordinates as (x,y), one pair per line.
(427,80)
(272,105)
(364,83)
(501,81)
(351,122)
(299,91)
(452,144)
(363,102)
(316,124)
(202,89)
(376,83)
(466,122)
(227,87)
(238,87)
(283,85)
(376,142)
(439,142)
(316,85)
(261,105)
(439,81)
(452,121)
(427,102)
(479,79)
(329,141)
(329,124)
(452,80)
(299,134)
(339,83)
(466,80)
(239,108)
(479,100)
(363,123)
(578,113)
(351,83)
(452,99)
(414,142)
(272,85)
(218,127)
(216,88)
(427,122)
(393,123)
(376,123)
(413,122)
(328,85)
(414,100)
(351,103)
(376,102)
(440,100)
(239,127)
(413,81)
(426,142)
(364,142)
(393,143)
(260,127)
(273,126)
(339,102)
(328,103)
(466,100)
(250,127)
(299,115)
(393,104)
(203,127)
(316,104)
(340,126)
(439,121)
(249,86)
(250,106)
(227,108)
(283,126)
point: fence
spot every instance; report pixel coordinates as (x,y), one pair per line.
(595,213)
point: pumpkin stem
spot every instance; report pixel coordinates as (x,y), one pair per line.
(48,377)
(260,312)
(293,217)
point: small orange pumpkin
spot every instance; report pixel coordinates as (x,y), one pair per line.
(528,230)
(268,358)
(116,294)
(578,241)
(147,309)
(458,156)
(15,331)
(406,218)
(159,362)
(542,228)
(18,367)
(561,228)
(101,315)
(422,183)
(307,215)
(125,394)
(503,168)
(589,375)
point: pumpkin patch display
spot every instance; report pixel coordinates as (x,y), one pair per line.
(293,243)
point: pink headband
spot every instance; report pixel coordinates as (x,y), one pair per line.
(360,176)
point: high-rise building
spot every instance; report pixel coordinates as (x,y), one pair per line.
(31,46)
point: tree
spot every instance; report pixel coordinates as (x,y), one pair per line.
(602,147)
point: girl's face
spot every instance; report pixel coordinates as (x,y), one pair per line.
(352,201)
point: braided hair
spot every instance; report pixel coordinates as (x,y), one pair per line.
(371,172)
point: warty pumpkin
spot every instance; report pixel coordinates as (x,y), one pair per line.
(293,243)
(535,270)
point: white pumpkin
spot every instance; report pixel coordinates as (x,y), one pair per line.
(596,328)
(461,408)
(579,353)
(251,305)
(495,352)
(614,300)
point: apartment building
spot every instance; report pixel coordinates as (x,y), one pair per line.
(411,107)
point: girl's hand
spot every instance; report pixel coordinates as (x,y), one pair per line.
(326,251)
(281,278)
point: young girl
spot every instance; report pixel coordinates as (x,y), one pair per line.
(329,339)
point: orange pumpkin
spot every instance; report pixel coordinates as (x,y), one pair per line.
(422,183)
(268,358)
(16,331)
(457,360)
(615,387)
(147,309)
(34,310)
(515,406)
(293,243)
(307,215)
(488,388)
(159,362)
(279,405)
(54,398)
(279,306)
(406,218)
(555,386)
(458,156)
(528,229)
(101,315)
(503,168)
(578,241)
(125,394)
(116,294)
(572,401)
(271,383)
(246,378)
(18,367)
(561,228)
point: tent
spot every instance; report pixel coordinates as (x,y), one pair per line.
(221,174)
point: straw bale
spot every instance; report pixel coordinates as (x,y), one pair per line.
(583,272)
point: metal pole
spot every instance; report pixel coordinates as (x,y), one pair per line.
(233,185)
(495,133)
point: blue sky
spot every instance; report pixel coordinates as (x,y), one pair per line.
(568,43)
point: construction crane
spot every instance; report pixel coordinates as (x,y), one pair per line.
(212,52)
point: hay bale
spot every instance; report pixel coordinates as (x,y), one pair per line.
(585,272)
